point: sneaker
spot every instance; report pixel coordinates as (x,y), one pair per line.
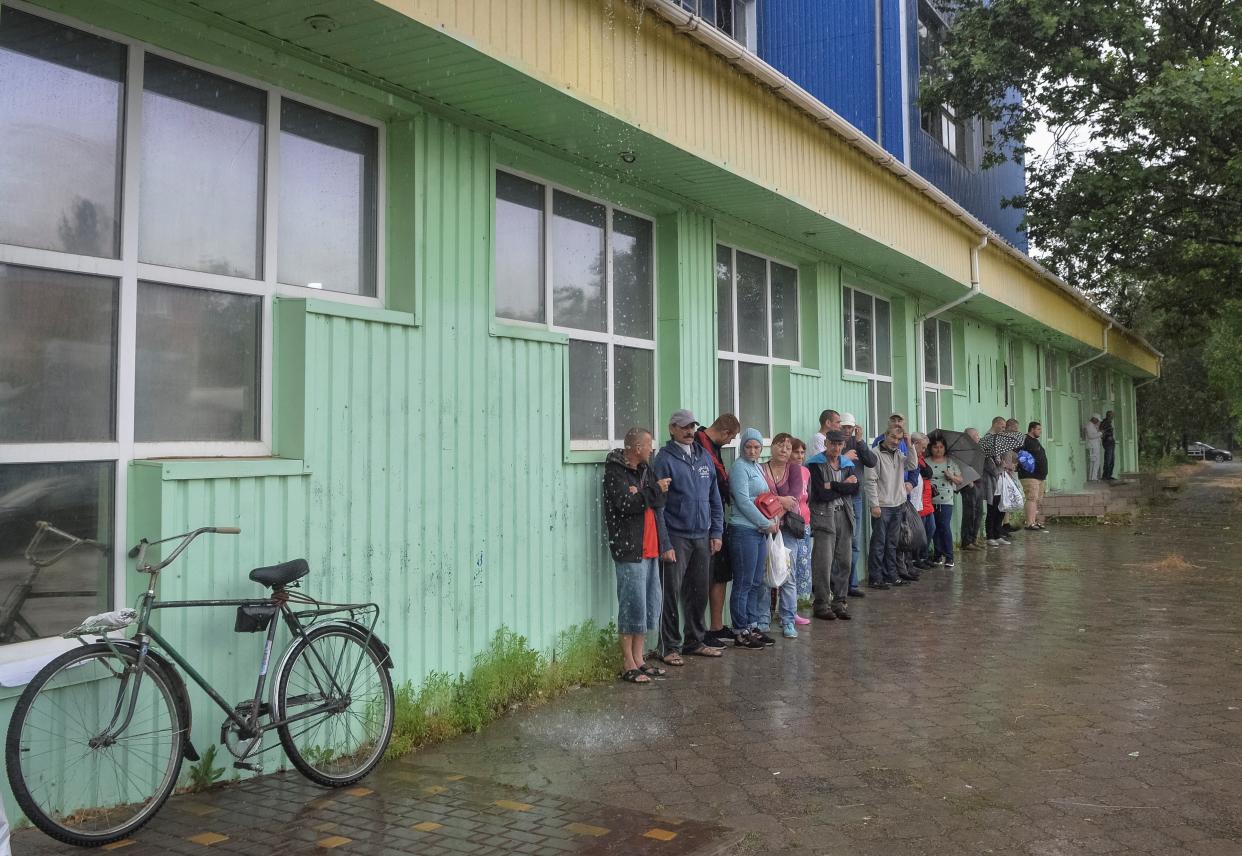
(825,614)
(854,592)
(746,641)
(992,542)
(724,634)
(801,620)
(1005,540)
(878,585)
(764,639)
(972,547)
(711,642)
(840,611)
(948,565)
(787,630)
(940,561)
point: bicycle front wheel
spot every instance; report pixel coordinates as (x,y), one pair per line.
(337,692)
(75,778)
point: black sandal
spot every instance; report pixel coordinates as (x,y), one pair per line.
(635,676)
(652,671)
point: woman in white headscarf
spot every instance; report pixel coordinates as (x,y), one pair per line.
(1095,445)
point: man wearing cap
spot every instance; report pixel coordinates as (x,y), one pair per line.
(860,454)
(832,489)
(1094,437)
(694,519)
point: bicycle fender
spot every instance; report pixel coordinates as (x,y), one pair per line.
(378,645)
(188,751)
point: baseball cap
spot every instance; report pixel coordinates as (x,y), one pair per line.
(847,419)
(682,419)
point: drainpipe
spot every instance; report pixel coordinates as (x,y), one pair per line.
(879,73)
(1159,374)
(1100,354)
(920,356)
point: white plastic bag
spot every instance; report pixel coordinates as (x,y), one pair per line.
(780,560)
(1012,498)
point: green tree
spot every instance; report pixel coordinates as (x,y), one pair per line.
(1139,200)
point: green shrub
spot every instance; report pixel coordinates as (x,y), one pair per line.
(506,673)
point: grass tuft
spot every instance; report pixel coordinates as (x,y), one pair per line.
(1174,563)
(507,673)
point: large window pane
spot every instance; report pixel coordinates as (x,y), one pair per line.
(201,202)
(633,266)
(784,312)
(724,384)
(724,298)
(57,356)
(864,333)
(931,359)
(931,409)
(752,304)
(946,352)
(752,383)
(588,391)
(328,200)
(519,249)
(880,398)
(633,375)
(883,338)
(61,100)
(198,365)
(73,497)
(578,298)
(847,337)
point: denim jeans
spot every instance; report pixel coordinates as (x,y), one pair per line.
(929,527)
(885,532)
(855,570)
(944,531)
(639,597)
(1110,459)
(787,603)
(748,600)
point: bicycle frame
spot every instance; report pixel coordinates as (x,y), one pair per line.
(249,727)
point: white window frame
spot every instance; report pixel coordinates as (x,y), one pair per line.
(1050,392)
(879,421)
(737,356)
(128,272)
(938,386)
(607,338)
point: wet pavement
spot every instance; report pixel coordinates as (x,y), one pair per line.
(1079,692)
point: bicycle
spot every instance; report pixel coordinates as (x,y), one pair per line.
(97,738)
(13,624)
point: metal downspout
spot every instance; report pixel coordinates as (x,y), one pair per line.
(1100,354)
(879,72)
(920,355)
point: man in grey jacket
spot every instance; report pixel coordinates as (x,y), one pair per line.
(886,490)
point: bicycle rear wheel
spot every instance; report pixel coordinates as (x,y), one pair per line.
(71,780)
(335,678)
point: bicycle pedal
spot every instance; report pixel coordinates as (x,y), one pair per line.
(242,765)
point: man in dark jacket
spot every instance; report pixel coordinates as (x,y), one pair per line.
(694,518)
(633,498)
(831,493)
(713,439)
(1033,482)
(1108,439)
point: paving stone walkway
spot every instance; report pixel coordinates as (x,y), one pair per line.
(1077,693)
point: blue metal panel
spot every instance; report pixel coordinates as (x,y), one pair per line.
(828,49)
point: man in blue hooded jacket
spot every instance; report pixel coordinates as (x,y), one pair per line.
(694,519)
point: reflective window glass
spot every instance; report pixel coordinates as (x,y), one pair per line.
(588,390)
(633,390)
(883,338)
(784,312)
(724,298)
(847,336)
(201,200)
(753,401)
(329,200)
(946,352)
(578,268)
(931,360)
(61,107)
(58,356)
(863,333)
(633,263)
(752,304)
(519,249)
(724,385)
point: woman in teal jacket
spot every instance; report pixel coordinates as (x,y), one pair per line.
(748,550)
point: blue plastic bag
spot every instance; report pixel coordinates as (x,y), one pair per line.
(1026,461)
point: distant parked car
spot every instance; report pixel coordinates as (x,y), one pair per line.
(1204,452)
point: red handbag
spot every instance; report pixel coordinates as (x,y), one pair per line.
(769,505)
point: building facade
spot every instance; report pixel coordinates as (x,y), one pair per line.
(864,61)
(381,283)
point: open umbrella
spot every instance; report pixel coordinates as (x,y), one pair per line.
(1000,442)
(966,453)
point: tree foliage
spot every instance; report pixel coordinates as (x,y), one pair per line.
(1139,199)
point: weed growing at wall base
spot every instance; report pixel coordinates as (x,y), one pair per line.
(508,672)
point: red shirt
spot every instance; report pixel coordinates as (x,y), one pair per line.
(651,537)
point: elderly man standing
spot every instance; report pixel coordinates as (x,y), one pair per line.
(694,517)
(832,490)
(636,537)
(886,492)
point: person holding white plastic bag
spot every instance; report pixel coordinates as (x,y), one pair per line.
(996,516)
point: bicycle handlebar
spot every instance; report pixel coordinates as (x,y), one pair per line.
(139,550)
